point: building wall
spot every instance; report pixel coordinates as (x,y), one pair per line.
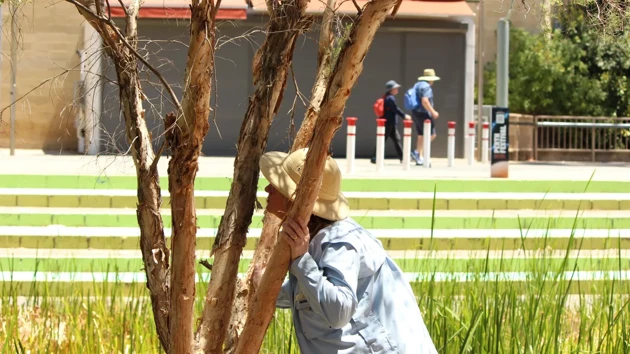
(532,20)
(400,51)
(50,33)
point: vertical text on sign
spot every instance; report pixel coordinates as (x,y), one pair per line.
(499,159)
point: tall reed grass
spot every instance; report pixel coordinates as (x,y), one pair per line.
(542,314)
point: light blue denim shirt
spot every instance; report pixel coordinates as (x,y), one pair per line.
(348,296)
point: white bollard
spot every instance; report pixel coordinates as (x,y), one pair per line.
(485,133)
(451,143)
(471,143)
(407,143)
(351,142)
(427,143)
(380,143)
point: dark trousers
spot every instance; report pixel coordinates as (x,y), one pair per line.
(392,132)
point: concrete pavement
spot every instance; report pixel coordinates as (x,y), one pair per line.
(36,162)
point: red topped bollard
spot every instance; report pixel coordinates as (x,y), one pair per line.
(351,143)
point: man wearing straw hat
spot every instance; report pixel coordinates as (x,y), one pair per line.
(347,295)
(425,110)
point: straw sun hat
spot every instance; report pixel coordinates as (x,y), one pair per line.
(284,170)
(428,75)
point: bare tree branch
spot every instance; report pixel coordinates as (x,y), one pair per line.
(359,11)
(397,7)
(155,253)
(124,41)
(35,88)
(270,71)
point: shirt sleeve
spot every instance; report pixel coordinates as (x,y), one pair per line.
(424,91)
(331,286)
(390,104)
(284,298)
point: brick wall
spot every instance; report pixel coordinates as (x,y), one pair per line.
(51,33)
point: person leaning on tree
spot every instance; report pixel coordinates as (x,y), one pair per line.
(345,292)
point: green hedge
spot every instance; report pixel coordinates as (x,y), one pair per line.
(570,71)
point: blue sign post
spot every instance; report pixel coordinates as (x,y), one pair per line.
(500,136)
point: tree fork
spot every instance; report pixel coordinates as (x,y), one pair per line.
(185,141)
(349,66)
(270,71)
(245,289)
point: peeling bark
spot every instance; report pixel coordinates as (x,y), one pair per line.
(155,254)
(348,68)
(245,289)
(185,141)
(270,70)
(324,68)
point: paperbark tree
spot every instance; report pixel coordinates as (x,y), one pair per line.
(346,71)
(245,289)
(120,48)
(270,70)
(171,281)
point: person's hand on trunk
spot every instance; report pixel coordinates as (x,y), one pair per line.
(296,233)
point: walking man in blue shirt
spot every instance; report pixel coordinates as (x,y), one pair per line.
(391,112)
(425,111)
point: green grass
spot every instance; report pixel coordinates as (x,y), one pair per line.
(358,185)
(490,316)
(484,315)
(406,264)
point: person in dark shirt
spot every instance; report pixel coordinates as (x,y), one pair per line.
(391,112)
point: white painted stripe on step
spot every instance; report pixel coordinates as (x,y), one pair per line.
(62,230)
(104,255)
(136,277)
(357,214)
(377,195)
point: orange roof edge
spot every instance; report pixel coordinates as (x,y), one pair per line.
(179,9)
(237,9)
(408,8)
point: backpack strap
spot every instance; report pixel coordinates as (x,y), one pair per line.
(418,94)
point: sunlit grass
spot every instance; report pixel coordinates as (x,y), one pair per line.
(539,315)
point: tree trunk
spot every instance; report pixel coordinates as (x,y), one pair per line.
(324,68)
(155,254)
(270,71)
(245,289)
(185,141)
(347,70)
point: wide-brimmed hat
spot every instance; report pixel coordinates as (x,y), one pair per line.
(391,84)
(284,170)
(428,75)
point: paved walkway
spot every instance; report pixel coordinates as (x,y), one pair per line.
(36,162)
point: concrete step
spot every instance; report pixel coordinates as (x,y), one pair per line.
(377,219)
(56,236)
(398,183)
(166,210)
(120,198)
(413,255)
